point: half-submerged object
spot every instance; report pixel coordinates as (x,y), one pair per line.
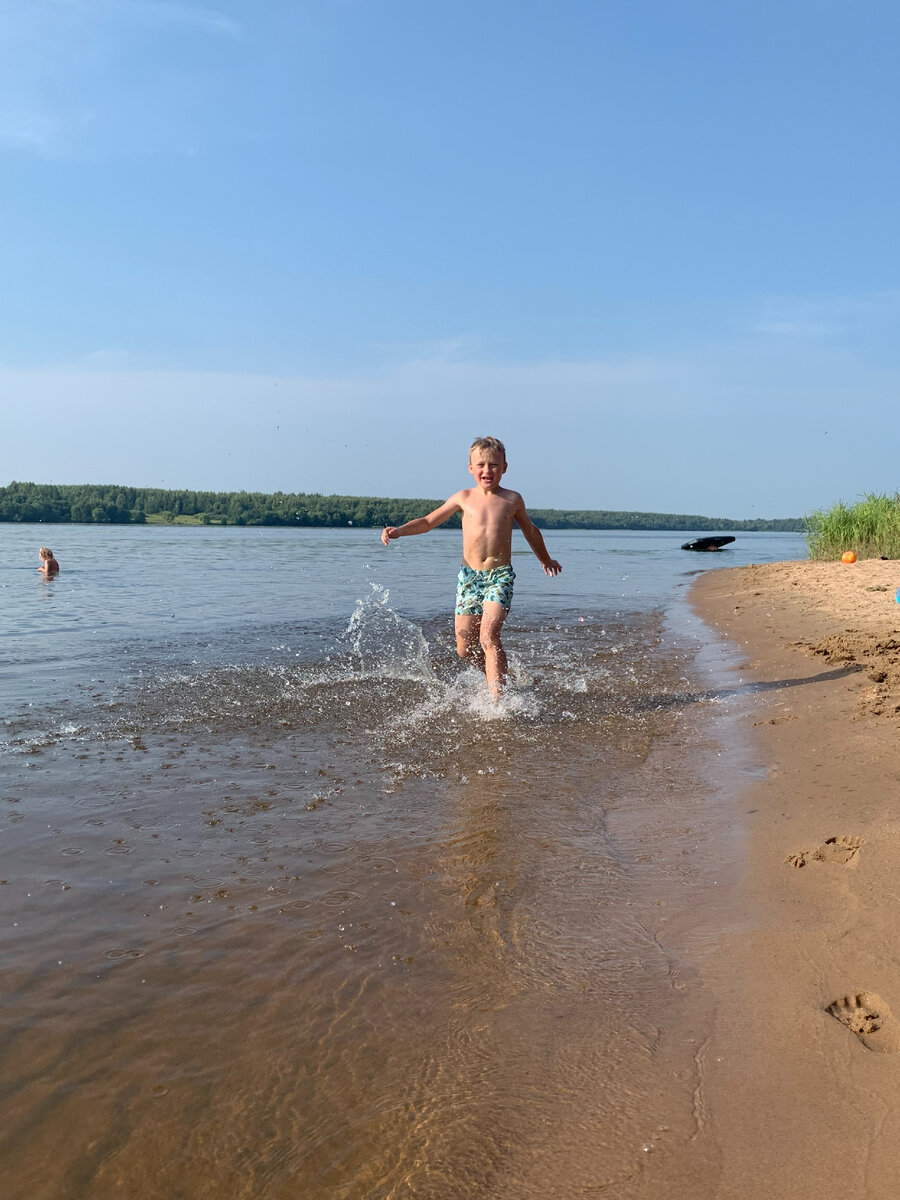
(707,543)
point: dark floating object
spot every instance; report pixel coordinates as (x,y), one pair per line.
(707,543)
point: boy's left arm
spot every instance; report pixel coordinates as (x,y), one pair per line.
(535,539)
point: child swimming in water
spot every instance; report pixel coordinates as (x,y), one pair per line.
(49,565)
(485,584)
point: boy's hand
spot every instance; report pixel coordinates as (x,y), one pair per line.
(387,533)
(550,568)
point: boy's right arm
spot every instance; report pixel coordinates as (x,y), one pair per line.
(423,524)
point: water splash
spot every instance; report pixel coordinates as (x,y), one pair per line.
(382,683)
(384,643)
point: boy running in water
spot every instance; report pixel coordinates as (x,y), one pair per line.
(486,578)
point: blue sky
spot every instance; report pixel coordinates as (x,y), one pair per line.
(320,245)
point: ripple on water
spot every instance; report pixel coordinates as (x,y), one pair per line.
(454,1015)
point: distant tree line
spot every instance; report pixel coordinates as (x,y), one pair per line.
(117,505)
(592,518)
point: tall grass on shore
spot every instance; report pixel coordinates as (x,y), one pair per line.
(871,528)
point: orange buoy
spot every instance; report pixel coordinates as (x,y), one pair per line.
(848,556)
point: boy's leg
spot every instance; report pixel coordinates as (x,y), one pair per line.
(495,666)
(468,645)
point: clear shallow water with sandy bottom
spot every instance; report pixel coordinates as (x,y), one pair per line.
(289,909)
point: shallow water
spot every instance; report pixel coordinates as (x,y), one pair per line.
(292,910)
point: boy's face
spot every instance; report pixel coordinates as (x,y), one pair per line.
(486,468)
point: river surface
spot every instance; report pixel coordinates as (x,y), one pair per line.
(291,910)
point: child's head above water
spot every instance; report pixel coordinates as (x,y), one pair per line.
(46,554)
(490,444)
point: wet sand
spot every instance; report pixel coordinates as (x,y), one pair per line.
(802,1079)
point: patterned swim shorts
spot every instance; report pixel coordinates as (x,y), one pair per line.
(477,586)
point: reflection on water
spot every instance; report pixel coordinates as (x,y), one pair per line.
(331,925)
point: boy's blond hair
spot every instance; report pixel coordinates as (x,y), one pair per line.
(45,553)
(488,443)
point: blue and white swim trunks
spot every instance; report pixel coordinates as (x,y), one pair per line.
(474,587)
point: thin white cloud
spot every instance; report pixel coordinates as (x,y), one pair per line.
(64,70)
(152,13)
(36,131)
(822,317)
(792,329)
(448,349)
(104,360)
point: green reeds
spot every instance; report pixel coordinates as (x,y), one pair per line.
(871,528)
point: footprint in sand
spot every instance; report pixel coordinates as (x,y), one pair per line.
(841,850)
(870,1019)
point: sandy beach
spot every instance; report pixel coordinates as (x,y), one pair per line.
(800,1081)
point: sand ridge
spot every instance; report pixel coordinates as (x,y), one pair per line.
(851,613)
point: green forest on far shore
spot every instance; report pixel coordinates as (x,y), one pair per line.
(117,505)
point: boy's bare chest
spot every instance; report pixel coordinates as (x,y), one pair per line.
(492,512)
